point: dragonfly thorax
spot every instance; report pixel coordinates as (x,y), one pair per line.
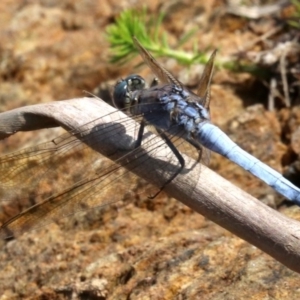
(162,105)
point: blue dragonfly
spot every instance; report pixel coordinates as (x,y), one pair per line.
(175,113)
(180,108)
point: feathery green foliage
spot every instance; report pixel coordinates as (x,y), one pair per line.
(295,21)
(147,30)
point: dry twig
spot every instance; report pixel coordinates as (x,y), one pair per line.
(213,197)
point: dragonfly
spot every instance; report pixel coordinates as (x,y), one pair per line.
(53,166)
(174,112)
(185,109)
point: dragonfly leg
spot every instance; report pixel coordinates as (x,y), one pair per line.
(178,156)
(181,161)
(138,142)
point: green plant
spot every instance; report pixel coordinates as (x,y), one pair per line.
(295,20)
(147,30)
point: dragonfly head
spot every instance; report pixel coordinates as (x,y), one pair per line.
(122,97)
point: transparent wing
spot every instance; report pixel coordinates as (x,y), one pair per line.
(163,75)
(74,175)
(203,91)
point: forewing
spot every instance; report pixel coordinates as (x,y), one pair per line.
(92,179)
(203,91)
(40,176)
(163,75)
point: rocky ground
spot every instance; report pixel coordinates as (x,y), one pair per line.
(53,50)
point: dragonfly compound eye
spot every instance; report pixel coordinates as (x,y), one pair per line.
(121,95)
(135,82)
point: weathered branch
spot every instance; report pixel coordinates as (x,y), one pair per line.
(213,196)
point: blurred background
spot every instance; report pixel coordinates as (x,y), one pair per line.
(158,249)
